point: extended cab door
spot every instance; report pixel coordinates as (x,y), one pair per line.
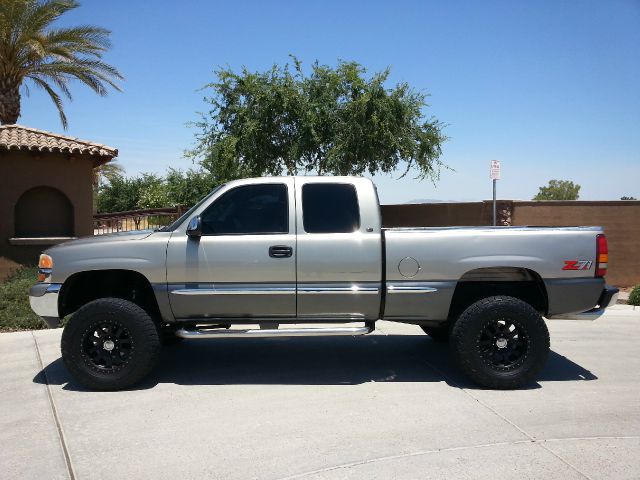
(339,262)
(243,265)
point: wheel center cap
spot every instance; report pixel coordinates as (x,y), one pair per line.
(501,343)
(108,345)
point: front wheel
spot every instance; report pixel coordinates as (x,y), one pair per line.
(500,342)
(110,344)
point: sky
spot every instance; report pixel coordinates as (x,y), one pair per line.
(550,88)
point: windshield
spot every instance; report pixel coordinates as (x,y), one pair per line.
(183,217)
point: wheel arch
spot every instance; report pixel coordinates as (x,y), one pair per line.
(83,287)
(519,282)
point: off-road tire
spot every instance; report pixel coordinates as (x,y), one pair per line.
(101,321)
(438,334)
(469,342)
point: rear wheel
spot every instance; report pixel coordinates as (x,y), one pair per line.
(500,342)
(110,344)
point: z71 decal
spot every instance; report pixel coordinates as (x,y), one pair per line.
(577,264)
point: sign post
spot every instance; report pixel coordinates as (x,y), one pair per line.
(494,174)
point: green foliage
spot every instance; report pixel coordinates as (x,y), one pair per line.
(628,198)
(31,49)
(634,296)
(559,190)
(152,192)
(329,121)
(177,188)
(15,312)
(119,194)
(187,188)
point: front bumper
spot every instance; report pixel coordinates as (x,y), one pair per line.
(608,297)
(43,298)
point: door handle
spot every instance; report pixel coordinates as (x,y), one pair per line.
(280,251)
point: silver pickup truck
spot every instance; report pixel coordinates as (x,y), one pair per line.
(307,256)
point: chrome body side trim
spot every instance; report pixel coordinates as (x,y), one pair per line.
(231,290)
(275,332)
(399,287)
(353,289)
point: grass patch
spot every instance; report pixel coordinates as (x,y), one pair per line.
(15,312)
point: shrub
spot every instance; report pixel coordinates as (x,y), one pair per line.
(153,192)
(119,194)
(634,296)
(148,190)
(15,312)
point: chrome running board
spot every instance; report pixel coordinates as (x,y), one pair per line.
(275,332)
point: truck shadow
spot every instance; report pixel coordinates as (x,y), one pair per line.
(312,361)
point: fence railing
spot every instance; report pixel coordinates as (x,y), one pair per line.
(135,219)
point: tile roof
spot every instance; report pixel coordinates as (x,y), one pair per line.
(18,137)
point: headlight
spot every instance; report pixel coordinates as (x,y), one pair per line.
(45,266)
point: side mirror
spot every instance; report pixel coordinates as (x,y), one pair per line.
(194,229)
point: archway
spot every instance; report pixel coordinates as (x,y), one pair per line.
(43,212)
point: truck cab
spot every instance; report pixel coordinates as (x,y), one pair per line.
(277,249)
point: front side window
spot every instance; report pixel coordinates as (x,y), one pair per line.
(249,209)
(330,208)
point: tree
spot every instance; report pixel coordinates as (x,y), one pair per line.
(185,189)
(103,173)
(559,190)
(118,194)
(106,171)
(329,121)
(628,198)
(30,49)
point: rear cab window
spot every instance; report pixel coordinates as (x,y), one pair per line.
(330,208)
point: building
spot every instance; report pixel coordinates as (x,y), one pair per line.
(46,189)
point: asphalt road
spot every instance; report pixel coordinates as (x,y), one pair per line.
(389,405)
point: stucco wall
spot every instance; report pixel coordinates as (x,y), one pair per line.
(433,214)
(621,222)
(21,171)
(446,214)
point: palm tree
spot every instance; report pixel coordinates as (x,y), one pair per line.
(107,171)
(30,49)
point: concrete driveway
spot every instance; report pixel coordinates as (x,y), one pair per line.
(390,405)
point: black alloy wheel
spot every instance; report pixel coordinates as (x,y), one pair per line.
(107,346)
(503,346)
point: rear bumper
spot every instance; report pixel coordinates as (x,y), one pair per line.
(608,297)
(43,298)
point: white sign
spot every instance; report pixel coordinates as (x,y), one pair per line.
(494,170)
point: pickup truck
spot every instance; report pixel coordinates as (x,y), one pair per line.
(307,256)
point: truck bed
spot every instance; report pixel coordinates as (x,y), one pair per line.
(438,258)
